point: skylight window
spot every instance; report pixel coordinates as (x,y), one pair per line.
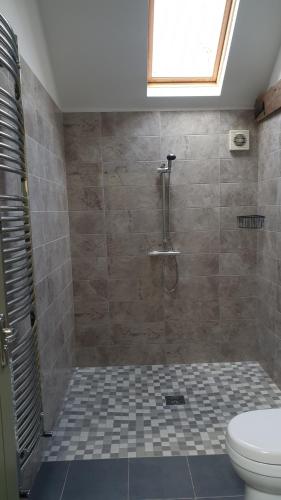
(187,40)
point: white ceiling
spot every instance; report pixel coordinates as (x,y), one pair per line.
(98,53)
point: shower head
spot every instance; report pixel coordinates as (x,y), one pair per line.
(171,157)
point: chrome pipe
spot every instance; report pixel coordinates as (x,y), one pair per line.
(11,239)
(14,208)
(29,412)
(7,31)
(34,431)
(31,447)
(17,279)
(8,67)
(24,398)
(26,302)
(14,218)
(9,96)
(14,197)
(10,117)
(27,245)
(27,363)
(24,355)
(13,170)
(11,159)
(14,229)
(10,60)
(15,151)
(25,339)
(27,284)
(26,256)
(4,41)
(164,229)
(11,138)
(13,109)
(13,129)
(24,378)
(24,315)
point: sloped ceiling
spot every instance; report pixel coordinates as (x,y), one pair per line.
(98,53)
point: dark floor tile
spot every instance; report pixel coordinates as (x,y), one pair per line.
(214,476)
(161,478)
(49,482)
(222,498)
(97,480)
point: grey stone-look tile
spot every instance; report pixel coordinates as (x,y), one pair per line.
(189,122)
(133,148)
(195,195)
(241,263)
(195,171)
(236,120)
(194,219)
(132,123)
(132,198)
(81,174)
(198,265)
(85,198)
(135,221)
(238,169)
(87,222)
(238,194)
(131,173)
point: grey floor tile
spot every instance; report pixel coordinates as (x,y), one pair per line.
(49,482)
(97,480)
(159,478)
(221,498)
(214,476)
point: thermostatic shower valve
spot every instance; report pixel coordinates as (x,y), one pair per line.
(239,140)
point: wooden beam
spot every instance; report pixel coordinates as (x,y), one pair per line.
(268,103)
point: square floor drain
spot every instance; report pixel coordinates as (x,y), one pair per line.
(174,400)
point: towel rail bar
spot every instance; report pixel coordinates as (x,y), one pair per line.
(17,295)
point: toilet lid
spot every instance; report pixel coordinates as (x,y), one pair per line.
(257,435)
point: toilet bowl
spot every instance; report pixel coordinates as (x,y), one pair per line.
(253,443)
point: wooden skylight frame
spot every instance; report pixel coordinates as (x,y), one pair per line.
(219,59)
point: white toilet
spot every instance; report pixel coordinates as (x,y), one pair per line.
(253,443)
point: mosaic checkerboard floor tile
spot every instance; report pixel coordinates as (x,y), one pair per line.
(120,412)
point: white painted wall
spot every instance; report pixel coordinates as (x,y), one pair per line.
(25,19)
(276,73)
(98,51)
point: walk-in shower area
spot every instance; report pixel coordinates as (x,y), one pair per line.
(140,240)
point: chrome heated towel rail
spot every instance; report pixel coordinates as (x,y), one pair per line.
(18,324)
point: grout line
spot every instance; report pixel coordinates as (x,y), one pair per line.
(128,479)
(218,497)
(192,483)
(65,479)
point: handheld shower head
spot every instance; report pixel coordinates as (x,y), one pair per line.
(170,157)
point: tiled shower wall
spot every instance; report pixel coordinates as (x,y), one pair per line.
(51,243)
(123,314)
(269,246)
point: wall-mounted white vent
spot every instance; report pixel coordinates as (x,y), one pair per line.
(239,140)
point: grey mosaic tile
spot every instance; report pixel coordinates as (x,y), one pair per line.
(120,412)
